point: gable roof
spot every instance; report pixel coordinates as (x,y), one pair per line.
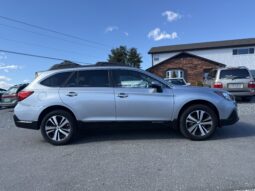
(203,46)
(190,55)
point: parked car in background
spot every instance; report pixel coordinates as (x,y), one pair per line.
(58,101)
(177,81)
(10,97)
(238,81)
(1,92)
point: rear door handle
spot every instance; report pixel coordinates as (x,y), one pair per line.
(72,94)
(122,95)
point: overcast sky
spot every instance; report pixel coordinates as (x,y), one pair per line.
(103,25)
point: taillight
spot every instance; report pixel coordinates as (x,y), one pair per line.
(218,85)
(251,84)
(24,94)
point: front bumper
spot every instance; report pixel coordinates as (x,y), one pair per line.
(25,124)
(232,119)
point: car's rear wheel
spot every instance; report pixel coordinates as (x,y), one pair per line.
(58,127)
(198,122)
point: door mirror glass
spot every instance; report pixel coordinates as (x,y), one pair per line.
(156,86)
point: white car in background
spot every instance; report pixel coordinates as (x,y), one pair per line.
(177,81)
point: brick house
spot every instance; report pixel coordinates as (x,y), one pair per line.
(188,66)
(193,61)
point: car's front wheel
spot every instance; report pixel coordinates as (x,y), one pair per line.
(58,127)
(198,122)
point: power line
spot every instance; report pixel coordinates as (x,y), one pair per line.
(52,31)
(47,47)
(49,36)
(38,56)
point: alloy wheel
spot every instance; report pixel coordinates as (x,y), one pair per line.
(199,123)
(57,128)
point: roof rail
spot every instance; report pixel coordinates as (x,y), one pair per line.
(111,64)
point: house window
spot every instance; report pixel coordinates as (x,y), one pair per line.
(175,73)
(243,51)
(156,58)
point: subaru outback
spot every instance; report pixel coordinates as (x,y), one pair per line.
(59,101)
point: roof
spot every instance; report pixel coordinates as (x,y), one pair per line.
(69,64)
(203,46)
(190,55)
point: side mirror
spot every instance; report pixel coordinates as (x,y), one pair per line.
(156,86)
(188,84)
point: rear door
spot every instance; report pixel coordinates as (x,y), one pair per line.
(136,101)
(90,95)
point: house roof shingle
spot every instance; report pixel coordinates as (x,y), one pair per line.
(189,55)
(203,46)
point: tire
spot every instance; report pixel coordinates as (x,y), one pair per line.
(58,127)
(198,128)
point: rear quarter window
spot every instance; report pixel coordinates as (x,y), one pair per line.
(234,74)
(56,80)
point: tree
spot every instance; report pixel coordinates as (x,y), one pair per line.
(118,55)
(125,56)
(134,58)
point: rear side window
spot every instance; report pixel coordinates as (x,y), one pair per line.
(234,74)
(212,74)
(89,78)
(57,80)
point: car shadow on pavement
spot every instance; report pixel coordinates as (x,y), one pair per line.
(115,133)
(239,130)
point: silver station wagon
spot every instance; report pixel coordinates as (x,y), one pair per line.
(60,101)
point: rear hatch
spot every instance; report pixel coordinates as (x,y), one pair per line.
(235,80)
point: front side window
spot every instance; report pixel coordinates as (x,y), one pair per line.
(89,78)
(131,79)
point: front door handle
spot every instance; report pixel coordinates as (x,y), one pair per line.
(72,94)
(122,95)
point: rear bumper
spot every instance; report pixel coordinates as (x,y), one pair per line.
(8,104)
(232,119)
(242,93)
(25,124)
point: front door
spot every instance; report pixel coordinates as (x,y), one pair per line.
(136,101)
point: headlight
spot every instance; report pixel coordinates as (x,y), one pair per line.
(225,95)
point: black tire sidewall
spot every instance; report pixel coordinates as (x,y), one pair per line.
(189,110)
(72,126)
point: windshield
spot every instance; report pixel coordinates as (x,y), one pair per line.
(176,81)
(12,90)
(234,74)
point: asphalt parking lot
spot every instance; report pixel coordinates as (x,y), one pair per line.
(138,158)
